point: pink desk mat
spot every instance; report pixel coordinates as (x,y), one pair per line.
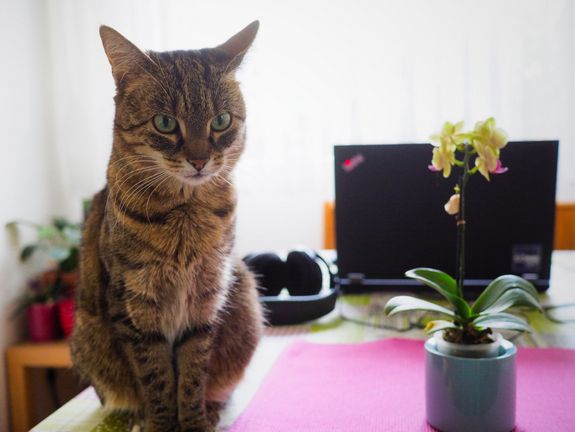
(379,386)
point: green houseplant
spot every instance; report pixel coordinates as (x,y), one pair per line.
(465,353)
(51,292)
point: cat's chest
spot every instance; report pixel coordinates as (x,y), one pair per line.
(180,297)
(191,276)
(180,263)
(200,293)
(192,259)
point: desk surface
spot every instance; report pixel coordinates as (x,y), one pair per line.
(84,413)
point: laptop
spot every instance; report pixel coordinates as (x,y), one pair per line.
(390,217)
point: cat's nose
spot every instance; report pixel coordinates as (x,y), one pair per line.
(198,164)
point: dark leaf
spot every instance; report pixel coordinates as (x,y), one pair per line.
(27,252)
(443,284)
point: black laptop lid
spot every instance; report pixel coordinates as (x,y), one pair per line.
(390,216)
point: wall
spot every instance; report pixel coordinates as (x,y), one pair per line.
(26,164)
(366,72)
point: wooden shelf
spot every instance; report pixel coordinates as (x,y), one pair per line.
(23,357)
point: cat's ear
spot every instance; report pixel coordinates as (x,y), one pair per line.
(124,56)
(236,47)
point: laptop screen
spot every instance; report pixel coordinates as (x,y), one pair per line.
(390,216)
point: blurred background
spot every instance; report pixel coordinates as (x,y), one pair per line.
(320,73)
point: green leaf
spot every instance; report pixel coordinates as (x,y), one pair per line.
(405,303)
(27,252)
(436,279)
(437,325)
(503,321)
(71,263)
(498,287)
(46,232)
(60,223)
(444,285)
(511,298)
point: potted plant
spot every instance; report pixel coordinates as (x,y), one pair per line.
(38,303)
(54,289)
(470,369)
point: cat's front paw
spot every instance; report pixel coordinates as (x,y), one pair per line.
(160,427)
(202,425)
(206,428)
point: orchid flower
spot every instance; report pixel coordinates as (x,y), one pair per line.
(488,140)
(445,144)
(443,159)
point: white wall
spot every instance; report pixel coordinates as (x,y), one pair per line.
(26,165)
(322,73)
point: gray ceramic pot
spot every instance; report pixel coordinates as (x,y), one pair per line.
(470,394)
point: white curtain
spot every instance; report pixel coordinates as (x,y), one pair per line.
(322,73)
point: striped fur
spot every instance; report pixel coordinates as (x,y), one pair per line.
(167,318)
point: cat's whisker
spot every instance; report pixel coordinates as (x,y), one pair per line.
(130,160)
(142,185)
(126,166)
(118,184)
(227,169)
(166,177)
(133,197)
(220,177)
(134,191)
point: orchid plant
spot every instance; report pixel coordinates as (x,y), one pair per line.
(471,152)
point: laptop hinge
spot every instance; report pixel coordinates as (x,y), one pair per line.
(356,278)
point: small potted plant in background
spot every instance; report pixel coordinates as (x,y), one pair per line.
(39,305)
(470,369)
(54,289)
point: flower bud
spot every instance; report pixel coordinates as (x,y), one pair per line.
(452,206)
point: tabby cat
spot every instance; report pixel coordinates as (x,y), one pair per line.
(167,318)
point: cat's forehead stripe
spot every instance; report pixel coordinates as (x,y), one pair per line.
(193,81)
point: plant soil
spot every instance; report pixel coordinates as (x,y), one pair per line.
(468,336)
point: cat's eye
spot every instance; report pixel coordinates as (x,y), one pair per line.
(221,122)
(164,123)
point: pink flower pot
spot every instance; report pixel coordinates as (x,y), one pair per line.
(66,315)
(41,322)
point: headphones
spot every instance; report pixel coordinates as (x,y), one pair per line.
(302,275)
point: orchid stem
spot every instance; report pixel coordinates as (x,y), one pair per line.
(461,222)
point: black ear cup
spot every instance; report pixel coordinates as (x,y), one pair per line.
(304,276)
(299,273)
(270,271)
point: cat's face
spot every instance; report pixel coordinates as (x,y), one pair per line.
(180,113)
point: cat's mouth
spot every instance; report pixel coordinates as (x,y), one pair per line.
(196,177)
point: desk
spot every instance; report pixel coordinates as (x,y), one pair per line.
(84,413)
